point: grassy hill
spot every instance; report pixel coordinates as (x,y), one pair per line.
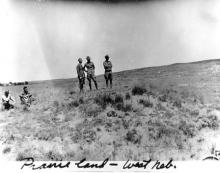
(157,112)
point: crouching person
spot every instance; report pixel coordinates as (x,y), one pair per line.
(7,101)
(26,98)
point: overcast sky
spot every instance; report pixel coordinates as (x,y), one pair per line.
(43,40)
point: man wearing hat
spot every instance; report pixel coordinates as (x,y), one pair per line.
(81,74)
(7,101)
(108,71)
(90,69)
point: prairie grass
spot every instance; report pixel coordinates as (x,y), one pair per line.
(138,90)
(139,122)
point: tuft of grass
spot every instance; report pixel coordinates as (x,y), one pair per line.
(54,156)
(146,103)
(213,122)
(188,129)
(119,106)
(91,110)
(21,156)
(169,114)
(127,96)
(125,124)
(185,94)
(163,98)
(200,140)
(127,108)
(132,136)
(89,135)
(81,100)
(72,92)
(69,116)
(118,99)
(74,103)
(77,136)
(104,99)
(112,114)
(56,104)
(194,112)
(210,121)
(165,131)
(138,90)
(45,135)
(159,106)
(6,150)
(177,103)
(70,155)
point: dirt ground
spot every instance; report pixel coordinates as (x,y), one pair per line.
(159,113)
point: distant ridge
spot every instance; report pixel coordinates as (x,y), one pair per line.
(174,64)
(198,62)
(137,69)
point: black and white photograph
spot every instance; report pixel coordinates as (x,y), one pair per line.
(109,79)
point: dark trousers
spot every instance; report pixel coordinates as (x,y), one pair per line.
(91,77)
(81,82)
(108,77)
(7,106)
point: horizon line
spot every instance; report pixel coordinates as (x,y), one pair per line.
(178,63)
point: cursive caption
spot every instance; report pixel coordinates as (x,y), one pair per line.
(29,163)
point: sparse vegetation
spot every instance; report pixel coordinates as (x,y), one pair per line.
(121,123)
(213,122)
(92,110)
(112,114)
(119,99)
(188,129)
(74,103)
(21,156)
(81,100)
(194,112)
(146,103)
(127,108)
(72,92)
(163,98)
(127,96)
(132,136)
(138,90)
(104,99)
(7,150)
(177,103)
(54,156)
(114,100)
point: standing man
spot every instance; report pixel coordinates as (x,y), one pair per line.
(90,69)
(7,101)
(108,71)
(81,74)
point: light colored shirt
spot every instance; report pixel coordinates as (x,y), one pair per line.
(90,67)
(7,99)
